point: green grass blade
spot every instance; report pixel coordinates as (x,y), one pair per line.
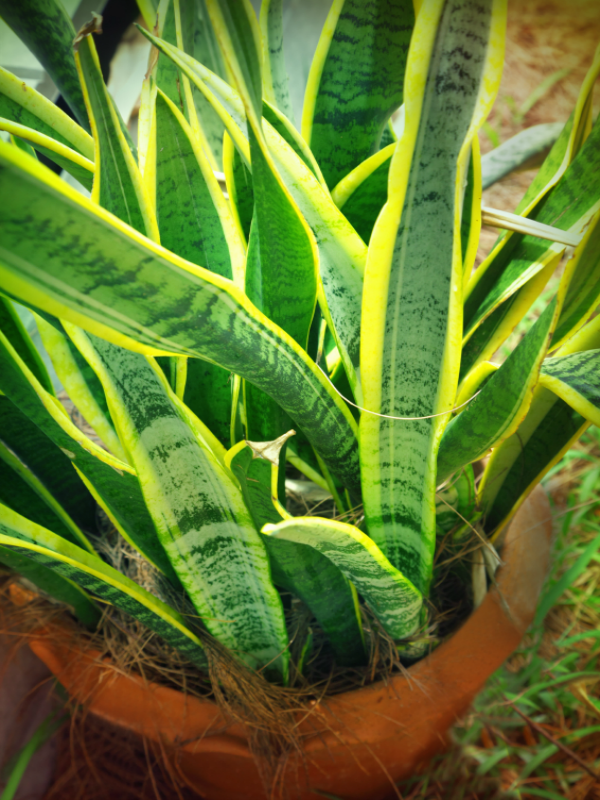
(356,82)
(390,595)
(410,354)
(19,764)
(90,280)
(551,596)
(48,32)
(89,571)
(65,591)
(197,508)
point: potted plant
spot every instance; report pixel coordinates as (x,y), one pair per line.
(324,314)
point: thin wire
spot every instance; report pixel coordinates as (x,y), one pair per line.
(388,416)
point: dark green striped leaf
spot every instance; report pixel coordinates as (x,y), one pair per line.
(22,104)
(198,510)
(14,330)
(502,403)
(43,25)
(276,88)
(569,206)
(356,82)
(323,587)
(583,295)
(281,279)
(79,381)
(409,341)
(48,463)
(389,594)
(238,179)
(53,584)
(117,182)
(576,380)
(121,286)
(113,483)
(94,575)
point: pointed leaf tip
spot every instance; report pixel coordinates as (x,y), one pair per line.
(270,450)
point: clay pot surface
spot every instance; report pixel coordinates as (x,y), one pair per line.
(356,745)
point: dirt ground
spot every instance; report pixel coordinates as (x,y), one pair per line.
(543,37)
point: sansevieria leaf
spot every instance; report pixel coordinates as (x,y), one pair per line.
(20,103)
(118,284)
(276,88)
(79,381)
(43,25)
(356,81)
(411,322)
(549,429)
(14,330)
(52,583)
(112,482)
(25,538)
(198,510)
(390,595)
(576,380)
(117,182)
(48,463)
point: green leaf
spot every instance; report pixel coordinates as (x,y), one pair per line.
(323,587)
(569,206)
(389,594)
(79,381)
(197,508)
(112,482)
(287,131)
(14,330)
(81,168)
(22,491)
(238,34)
(48,463)
(195,223)
(94,575)
(121,286)
(518,151)
(48,32)
(254,477)
(576,380)
(363,192)
(547,432)
(275,79)
(206,51)
(562,154)
(410,350)
(50,582)
(495,413)
(118,184)
(583,295)
(238,180)
(281,278)
(356,81)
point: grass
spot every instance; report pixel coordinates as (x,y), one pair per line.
(535,729)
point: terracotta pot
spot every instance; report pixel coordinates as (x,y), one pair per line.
(358,744)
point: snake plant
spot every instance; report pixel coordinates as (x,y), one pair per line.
(322,311)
